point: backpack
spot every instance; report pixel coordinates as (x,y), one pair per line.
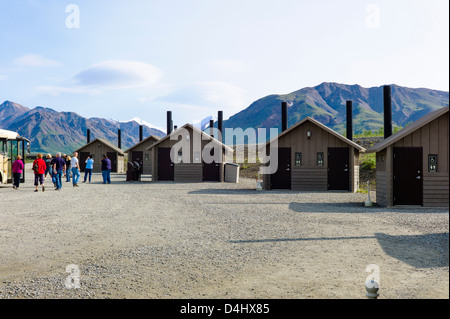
(36,167)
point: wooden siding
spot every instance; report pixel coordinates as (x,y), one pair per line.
(381,188)
(148,165)
(185,172)
(309,179)
(188,172)
(309,176)
(97,150)
(433,138)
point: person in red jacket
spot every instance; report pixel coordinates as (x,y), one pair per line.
(39,167)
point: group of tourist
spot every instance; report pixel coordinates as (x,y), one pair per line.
(57,167)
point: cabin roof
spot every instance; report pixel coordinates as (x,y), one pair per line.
(107,143)
(322,126)
(203,134)
(156,138)
(408,130)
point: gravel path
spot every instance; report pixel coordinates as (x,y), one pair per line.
(212,240)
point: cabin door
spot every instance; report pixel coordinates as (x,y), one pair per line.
(165,165)
(408,176)
(138,156)
(113,158)
(82,160)
(282,178)
(338,169)
(211,170)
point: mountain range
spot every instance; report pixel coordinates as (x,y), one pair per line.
(52,131)
(327,104)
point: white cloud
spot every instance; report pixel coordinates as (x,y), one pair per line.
(36,60)
(118,74)
(107,75)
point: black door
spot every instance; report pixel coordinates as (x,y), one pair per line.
(408,176)
(165,165)
(113,158)
(211,170)
(138,156)
(82,161)
(338,169)
(282,178)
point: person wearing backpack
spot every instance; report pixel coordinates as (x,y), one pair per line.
(39,167)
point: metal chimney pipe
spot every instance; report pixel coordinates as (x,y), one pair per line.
(88,136)
(284,118)
(387,100)
(119,139)
(169,122)
(141,133)
(211,128)
(220,125)
(350,120)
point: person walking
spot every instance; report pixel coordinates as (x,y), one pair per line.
(106,169)
(48,168)
(67,158)
(89,168)
(59,166)
(39,172)
(75,166)
(17,168)
(54,173)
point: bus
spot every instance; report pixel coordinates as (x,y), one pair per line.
(11,145)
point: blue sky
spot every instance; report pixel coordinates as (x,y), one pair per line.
(140,58)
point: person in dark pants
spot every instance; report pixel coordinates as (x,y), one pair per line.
(68,159)
(89,168)
(59,166)
(48,169)
(106,169)
(39,172)
(17,168)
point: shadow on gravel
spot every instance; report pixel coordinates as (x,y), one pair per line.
(332,208)
(357,207)
(219,191)
(420,251)
(250,241)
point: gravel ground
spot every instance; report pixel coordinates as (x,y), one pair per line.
(214,240)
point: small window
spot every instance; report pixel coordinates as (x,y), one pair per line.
(180,156)
(320,159)
(197,157)
(432,163)
(298,159)
(146,157)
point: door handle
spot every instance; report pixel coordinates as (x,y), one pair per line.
(418,177)
(288,169)
(346,170)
